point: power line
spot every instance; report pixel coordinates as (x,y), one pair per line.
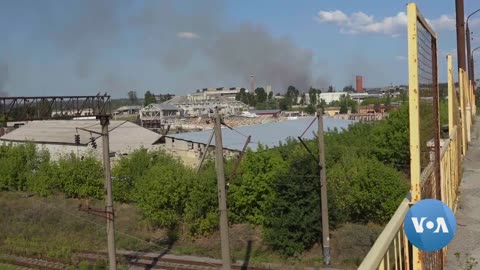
(117,231)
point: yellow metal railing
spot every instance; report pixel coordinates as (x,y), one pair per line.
(441,177)
(391,249)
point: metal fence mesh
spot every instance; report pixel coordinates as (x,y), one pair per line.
(429,111)
(429,128)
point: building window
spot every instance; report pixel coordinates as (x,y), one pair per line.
(173,140)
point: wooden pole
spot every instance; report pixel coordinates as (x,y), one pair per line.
(222,198)
(112,262)
(323,191)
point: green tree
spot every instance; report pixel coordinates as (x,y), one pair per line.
(313,94)
(149,98)
(293,218)
(128,171)
(201,209)
(284,104)
(348,88)
(343,107)
(331,89)
(162,192)
(252,192)
(261,95)
(132,97)
(310,109)
(391,137)
(270,95)
(17,163)
(242,96)
(303,99)
(292,94)
(364,190)
(80,178)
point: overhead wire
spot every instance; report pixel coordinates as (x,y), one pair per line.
(171,251)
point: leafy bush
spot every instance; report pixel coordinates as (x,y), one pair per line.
(293,218)
(161,194)
(128,171)
(250,194)
(80,178)
(364,190)
(391,138)
(17,164)
(201,215)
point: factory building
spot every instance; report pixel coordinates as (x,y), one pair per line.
(57,136)
(189,147)
(203,104)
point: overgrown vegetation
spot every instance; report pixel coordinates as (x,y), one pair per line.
(277,190)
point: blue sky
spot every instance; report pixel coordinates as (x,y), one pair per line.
(83,47)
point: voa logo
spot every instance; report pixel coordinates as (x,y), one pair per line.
(430,225)
(441,225)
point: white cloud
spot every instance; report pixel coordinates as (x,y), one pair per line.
(359,22)
(400,58)
(336,16)
(187,35)
(444,22)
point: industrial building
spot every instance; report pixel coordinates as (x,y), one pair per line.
(229,93)
(359,84)
(189,147)
(57,136)
(127,110)
(202,104)
(156,116)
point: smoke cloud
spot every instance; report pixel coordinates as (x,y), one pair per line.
(194,44)
(3,78)
(252,50)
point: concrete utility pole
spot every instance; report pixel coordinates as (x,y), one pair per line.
(323,190)
(222,195)
(109,213)
(471,69)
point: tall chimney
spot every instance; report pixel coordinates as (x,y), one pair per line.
(359,80)
(252,83)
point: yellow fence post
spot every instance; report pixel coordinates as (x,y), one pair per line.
(413,97)
(461,83)
(452,111)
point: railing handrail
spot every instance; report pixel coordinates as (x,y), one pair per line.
(451,138)
(382,244)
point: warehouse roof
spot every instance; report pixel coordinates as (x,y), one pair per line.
(124,136)
(269,134)
(163,107)
(129,107)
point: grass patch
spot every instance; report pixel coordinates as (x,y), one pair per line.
(55,228)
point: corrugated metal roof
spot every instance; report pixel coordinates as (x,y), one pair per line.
(165,107)
(269,134)
(265,111)
(129,107)
(123,139)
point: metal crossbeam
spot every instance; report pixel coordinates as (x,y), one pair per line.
(53,107)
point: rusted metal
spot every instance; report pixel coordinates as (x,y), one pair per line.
(53,107)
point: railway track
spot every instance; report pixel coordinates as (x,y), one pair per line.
(164,262)
(34,262)
(137,260)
